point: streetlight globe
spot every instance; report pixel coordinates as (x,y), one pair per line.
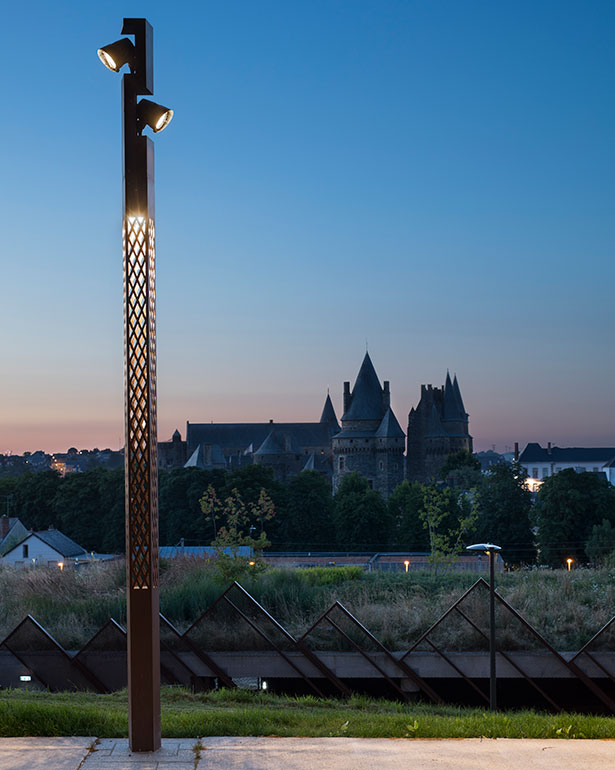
(487,547)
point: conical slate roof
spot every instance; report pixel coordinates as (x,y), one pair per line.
(278,443)
(460,405)
(310,463)
(328,413)
(451,411)
(272,445)
(199,459)
(366,402)
(389,427)
(196,459)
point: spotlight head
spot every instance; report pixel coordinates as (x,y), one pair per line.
(115,55)
(153,115)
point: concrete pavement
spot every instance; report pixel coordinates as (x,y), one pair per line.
(308,754)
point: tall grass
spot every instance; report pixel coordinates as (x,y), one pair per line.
(566,608)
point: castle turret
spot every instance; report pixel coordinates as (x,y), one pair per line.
(437,428)
(371,441)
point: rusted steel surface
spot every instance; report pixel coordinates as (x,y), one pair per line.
(185,661)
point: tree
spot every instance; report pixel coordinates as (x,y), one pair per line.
(362,518)
(33,503)
(601,545)
(249,480)
(179,495)
(405,506)
(457,461)
(504,504)
(236,525)
(449,519)
(89,508)
(308,522)
(568,506)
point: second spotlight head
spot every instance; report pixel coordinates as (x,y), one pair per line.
(153,115)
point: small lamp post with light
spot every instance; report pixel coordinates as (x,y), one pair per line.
(140,447)
(491,550)
(569,561)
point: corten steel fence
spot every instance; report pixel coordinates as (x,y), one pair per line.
(318,661)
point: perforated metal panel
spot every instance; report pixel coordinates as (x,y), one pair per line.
(140,401)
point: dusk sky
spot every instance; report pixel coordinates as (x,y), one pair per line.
(434,178)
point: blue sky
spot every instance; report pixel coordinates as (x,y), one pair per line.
(434,177)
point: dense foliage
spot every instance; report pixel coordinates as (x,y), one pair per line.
(569,505)
(574,514)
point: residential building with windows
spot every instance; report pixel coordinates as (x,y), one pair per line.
(541,462)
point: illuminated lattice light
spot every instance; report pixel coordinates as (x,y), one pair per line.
(140,379)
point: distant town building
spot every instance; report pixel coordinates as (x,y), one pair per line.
(172,454)
(11,532)
(46,548)
(542,462)
(371,441)
(437,428)
(490,458)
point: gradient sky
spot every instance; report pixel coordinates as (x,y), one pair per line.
(432,177)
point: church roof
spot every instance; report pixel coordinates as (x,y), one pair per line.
(328,413)
(389,427)
(366,401)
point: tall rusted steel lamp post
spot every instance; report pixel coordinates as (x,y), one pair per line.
(140,448)
(491,550)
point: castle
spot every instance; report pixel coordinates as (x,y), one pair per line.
(438,427)
(370,440)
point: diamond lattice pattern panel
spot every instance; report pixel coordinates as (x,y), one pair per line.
(141,459)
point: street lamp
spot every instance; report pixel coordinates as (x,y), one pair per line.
(491,550)
(140,447)
(569,563)
(406,564)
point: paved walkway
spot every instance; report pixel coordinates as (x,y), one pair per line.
(308,754)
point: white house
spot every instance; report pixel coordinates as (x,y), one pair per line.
(47,548)
(540,463)
(12,531)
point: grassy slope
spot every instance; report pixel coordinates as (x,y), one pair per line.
(567,608)
(186,715)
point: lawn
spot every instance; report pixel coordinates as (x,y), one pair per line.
(242,713)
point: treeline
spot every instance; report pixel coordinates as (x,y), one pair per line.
(573,516)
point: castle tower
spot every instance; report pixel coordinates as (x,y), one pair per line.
(437,428)
(371,441)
